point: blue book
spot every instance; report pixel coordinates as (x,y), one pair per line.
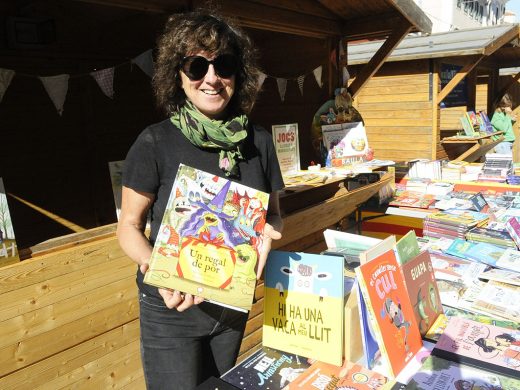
(485,253)
(370,347)
(460,248)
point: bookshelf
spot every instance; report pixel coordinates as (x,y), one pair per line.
(470,149)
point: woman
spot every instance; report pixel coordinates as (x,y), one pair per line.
(502,120)
(206,81)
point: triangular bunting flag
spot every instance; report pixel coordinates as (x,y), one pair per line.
(145,62)
(282,87)
(105,80)
(57,87)
(333,58)
(346,76)
(261,79)
(317,75)
(300,80)
(6,75)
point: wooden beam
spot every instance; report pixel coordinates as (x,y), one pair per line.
(492,91)
(157,6)
(373,27)
(379,57)
(502,40)
(470,65)
(415,16)
(508,85)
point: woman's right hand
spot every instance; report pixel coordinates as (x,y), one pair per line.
(174,299)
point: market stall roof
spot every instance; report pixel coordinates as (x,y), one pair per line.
(351,19)
(500,41)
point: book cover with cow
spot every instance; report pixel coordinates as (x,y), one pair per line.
(303,305)
(209,239)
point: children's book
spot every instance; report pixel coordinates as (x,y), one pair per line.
(415,364)
(485,123)
(390,311)
(266,369)
(388,244)
(303,305)
(356,242)
(460,248)
(441,374)
(499,299)
(419,278)
(348,142)
(488,347)
(485,253)
(450,312)
(501,275)
(466,126)
(8,248)
(209,239)
(513,228)
(327,376)
(407,247)
(371,354)
(353,350)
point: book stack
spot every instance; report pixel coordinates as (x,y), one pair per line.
(425,169)
(412,199)
(452,223)
(496,168)
(417,184)
(513,180)
(453,170)
(490,236)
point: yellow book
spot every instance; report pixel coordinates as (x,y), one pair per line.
(209,239)
(303,305)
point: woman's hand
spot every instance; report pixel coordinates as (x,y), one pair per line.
(174,299)
(269,234)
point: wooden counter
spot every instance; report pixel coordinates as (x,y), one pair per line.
(69,315)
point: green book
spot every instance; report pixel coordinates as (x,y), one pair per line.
(407,247)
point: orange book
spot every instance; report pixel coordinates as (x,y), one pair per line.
(390,311)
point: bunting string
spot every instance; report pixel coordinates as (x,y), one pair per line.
(57,85)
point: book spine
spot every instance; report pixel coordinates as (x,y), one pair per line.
(480,364)
(372,318)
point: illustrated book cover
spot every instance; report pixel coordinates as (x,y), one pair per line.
(485,346)
(502,275)
(303,305)
(266,369)
(8,247)
(209,239)
(441,374)
(390,311)
(419,278)
(349,142)
(285,139)
(407,247)
(499,299)
(349,376)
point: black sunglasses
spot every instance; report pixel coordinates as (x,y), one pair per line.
(196,67)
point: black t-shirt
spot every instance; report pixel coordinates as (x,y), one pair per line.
(153,160)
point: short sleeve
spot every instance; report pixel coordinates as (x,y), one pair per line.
(140,170)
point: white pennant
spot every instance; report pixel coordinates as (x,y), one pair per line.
(6,75)
(105,80)
(300,83)
(261,79)
(317,75)
(145,62)
(346,76)
(57,87)
(282,87)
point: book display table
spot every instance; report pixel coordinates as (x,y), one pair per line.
(469,149)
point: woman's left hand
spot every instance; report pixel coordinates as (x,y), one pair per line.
(268,235)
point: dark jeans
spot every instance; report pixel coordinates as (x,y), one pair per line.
(181,350)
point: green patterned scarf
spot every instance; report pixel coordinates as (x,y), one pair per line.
(204,132)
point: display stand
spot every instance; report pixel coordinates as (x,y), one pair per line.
(470,149)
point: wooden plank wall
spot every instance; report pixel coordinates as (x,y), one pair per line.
(397,110)
(69,316)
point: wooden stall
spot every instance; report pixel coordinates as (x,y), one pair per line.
(69,314)
(407,108)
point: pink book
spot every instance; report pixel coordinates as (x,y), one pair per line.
(485,346)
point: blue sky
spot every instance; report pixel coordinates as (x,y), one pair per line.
(514,5)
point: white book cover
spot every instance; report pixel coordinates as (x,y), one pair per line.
(8,248)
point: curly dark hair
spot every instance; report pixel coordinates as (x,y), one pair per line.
(192,32)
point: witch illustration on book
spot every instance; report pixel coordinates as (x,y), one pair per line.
(396,316)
